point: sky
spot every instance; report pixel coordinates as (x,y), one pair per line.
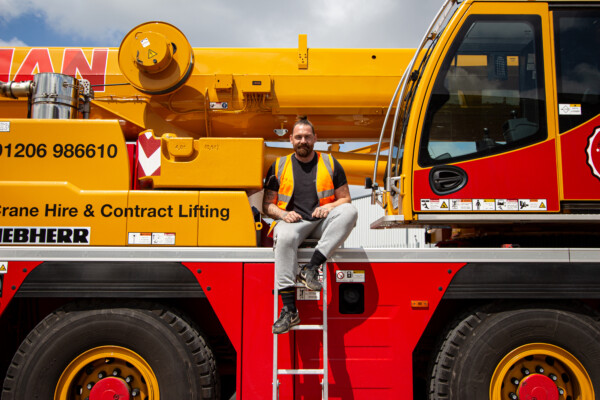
(233,23)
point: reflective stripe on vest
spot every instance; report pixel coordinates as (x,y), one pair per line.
(324,182)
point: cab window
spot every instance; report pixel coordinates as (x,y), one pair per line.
(577,41)
(488,97)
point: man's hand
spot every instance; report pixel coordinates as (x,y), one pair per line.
(291,216)
(322,211)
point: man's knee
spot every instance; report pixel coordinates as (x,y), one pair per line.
(348,212)
(287,237)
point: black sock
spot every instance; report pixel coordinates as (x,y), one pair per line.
(317,259)
(288,297)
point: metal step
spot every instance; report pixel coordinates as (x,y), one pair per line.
(300,371)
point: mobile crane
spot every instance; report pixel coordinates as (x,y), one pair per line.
(131,260)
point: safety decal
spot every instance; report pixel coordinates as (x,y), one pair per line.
(148,155)
(484,204)
(4,126)
(435,205)
(3,267)
(151,54)
(139,238)
(305,294)
(356,276)
(151,238)
(593,152)
(533,204)
(507,205)
(569,109)
(461,205)
(218,105)
(163,238)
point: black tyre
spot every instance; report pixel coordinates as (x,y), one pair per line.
(90,350)
(502,354)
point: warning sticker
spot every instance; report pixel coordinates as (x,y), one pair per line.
(435,205)
(484,204)
(218,105)
(306,294)
(163,238)
(507,205)
(569,109)
(533,204)
(140,238)
(461,205)
(4,126)
(151,54)
(3,267)
(145,42)
(357,276)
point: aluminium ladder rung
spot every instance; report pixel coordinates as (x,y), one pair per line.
(319,371)
(307,328)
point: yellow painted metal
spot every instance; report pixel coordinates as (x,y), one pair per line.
(253,84)
(226,219)
(302,51)
(78,374)
(63,205)
(577,385)
(164,216)
(156,57)
(210,163)
(152,53)
(344,91)
(93,152)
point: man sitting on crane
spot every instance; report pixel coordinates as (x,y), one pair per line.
(307,195)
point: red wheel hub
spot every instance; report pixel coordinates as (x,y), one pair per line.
(110,388)
(537,387)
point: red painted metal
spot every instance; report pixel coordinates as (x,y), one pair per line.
(579,181)
(528,173)
(366,351)
(110,388)
(222,284)
(537,387)
(16,273)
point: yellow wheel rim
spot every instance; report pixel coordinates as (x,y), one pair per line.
(558,366)
(87,369)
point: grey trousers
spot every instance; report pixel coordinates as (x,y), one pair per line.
(331,232)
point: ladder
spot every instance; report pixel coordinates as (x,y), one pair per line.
(320,371)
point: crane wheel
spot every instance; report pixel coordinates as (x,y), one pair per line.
(516,353)
(128,351)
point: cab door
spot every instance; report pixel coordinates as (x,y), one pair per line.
(577,55)
(486,141)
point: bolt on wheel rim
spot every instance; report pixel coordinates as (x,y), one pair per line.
(107,362)
(554,367)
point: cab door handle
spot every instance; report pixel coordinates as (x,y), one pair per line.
(446,179)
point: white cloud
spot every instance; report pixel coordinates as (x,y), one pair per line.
(14,42)
(239,23)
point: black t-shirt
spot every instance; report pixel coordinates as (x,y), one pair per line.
(305,199)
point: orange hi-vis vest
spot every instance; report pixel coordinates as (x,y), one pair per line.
(285,175)
(324,184)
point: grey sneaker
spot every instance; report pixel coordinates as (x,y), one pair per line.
(310,278)
(286,320)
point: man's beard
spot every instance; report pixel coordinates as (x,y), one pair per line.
(303,150)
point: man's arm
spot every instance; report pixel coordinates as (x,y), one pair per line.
(342,196)
(271,210)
